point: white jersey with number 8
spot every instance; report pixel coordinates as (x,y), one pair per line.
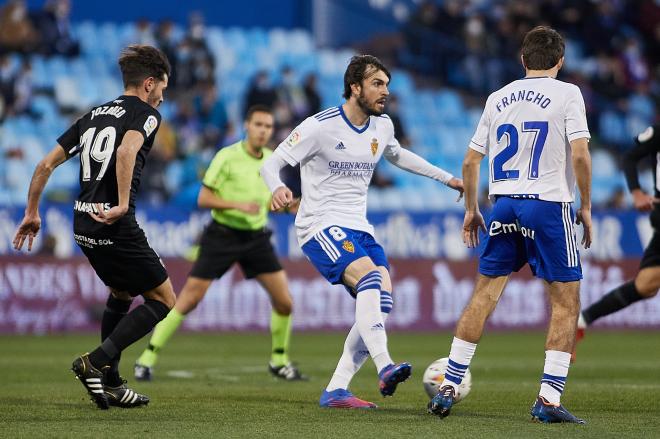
(526,129)
(337,161)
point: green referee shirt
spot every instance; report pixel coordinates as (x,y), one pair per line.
(234,176)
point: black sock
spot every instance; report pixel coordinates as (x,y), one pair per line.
(612,302)
(115,310)
(130,329)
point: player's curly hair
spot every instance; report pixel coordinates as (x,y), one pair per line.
(138,62)
(542,48)
(360,68)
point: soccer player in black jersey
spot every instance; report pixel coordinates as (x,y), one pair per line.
(647,282)
(113,141)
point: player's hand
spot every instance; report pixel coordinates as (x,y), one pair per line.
(28,228)
(249,208)
(472,223)
(456,184)
(643,201)
(583,216)
(282,197)
(108,216)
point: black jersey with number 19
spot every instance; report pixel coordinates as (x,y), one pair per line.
(96,137)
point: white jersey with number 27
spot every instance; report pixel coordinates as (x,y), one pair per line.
(526,129)
(337,161)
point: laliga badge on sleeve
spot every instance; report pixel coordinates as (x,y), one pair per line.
(150,125)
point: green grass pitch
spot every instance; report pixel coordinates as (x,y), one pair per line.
(615,386)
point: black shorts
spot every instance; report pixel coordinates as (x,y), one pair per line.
(221,246)
(124,264)
(651,256)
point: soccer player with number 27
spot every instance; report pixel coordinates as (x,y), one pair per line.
(535,133)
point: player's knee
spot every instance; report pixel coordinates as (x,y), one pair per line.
(283,307)
(164,294)
(370,281)
(120,295)
(647,288)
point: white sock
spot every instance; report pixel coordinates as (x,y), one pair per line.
(371,327)
(555,372)
(582,323)
(460,356)
(354,355)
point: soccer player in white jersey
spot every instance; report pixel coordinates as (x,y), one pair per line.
(535,133)
(338,150)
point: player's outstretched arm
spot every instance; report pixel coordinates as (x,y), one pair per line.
(207,199)
(411,162)
(270,172)
(126,153)
(31,223)
(473,220)
(582,168)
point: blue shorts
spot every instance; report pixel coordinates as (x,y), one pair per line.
(531,231)
(333,249)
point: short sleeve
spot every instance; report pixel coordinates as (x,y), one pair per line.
(576,116)
(301,143)
(146,121)
(393,146)
(479,141)
(216,174)
(70,140)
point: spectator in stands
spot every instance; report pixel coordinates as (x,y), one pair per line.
(167,42)
(393,112)
(291,94)
(17,33)
(311,94)
(261,92)
(194,61)
(163,152)
(23,89)
(144,33)
(212,113)
(7,86)
(55,27)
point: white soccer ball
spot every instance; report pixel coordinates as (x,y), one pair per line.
(435,373)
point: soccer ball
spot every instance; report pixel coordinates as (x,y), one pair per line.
(435,373)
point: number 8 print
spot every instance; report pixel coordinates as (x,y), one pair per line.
(337,233)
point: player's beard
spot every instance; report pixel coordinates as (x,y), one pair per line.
(364,106)
(153,99)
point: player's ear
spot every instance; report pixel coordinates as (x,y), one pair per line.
(355,89)
(560,64)
(522,61)
(149,84)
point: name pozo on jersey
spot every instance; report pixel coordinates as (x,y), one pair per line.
(115,111)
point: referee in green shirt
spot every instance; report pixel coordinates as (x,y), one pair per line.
(239,201)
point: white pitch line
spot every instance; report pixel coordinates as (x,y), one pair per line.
(180,374)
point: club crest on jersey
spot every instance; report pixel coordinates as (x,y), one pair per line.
(348,246)
(293,138)
(150,125)
(374,146)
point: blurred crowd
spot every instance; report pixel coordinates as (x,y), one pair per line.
(612,52)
